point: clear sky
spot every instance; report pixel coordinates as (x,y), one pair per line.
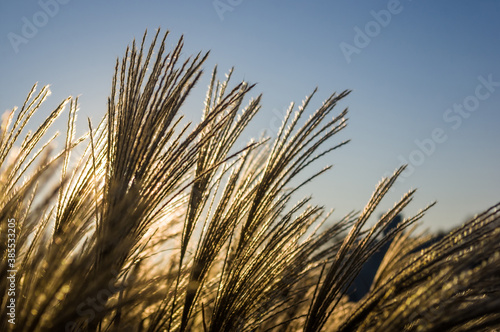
(425,77)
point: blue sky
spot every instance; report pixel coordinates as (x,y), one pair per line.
(424,74)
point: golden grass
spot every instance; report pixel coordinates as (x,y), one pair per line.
(167,227)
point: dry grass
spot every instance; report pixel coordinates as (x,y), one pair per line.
(161,226)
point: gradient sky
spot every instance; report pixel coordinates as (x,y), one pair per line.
(411,72)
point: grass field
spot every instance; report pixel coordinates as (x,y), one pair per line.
(164,226)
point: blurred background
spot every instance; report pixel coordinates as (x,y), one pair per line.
(424,74)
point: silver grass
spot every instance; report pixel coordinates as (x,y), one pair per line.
(163,226)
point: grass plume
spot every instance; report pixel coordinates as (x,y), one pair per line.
(165,226)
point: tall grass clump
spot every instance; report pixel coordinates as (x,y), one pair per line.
(161,225)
